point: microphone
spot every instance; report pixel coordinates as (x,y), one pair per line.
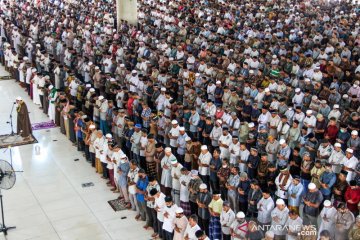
(14,102)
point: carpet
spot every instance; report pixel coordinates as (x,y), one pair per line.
(43,125)
(117,204)
(15,140)
(3,78)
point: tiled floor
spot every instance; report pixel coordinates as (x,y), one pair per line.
(47,201)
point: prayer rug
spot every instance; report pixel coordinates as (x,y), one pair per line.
(117,204)
(2,78)
(43,125)
(15,140)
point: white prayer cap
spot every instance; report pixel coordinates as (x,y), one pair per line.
(187,139)
(203,186)
(163,89)
(312,186)
(174,122)
(19,98)
(92,126)
(282,141)
(181,129)
(92,90)
(26,58)
(349,150)
(112,80)
(204,147)
(337,144)
(88,85)
(297,90)
(197,74)
(274,56)
(307,79)
(51,87)
(122,65)
(251,125)
(38,45)
(240,215)
(327,203)
(300,32)
(314,97)
(219,121)
(218,82)
(251,71)
(33,70)
(173,161)
(309,112)
(97,68)
(134,71)
(354,132)
(101,97)
(179,210)
(171,59)
(267,89)
(167,149)
(336,106)
(280,202)
(108,135)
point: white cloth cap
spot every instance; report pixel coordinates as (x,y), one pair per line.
(197,75)
(167,149)
(336,106)
(97,68)
(108,135)
(88,85)
(187,139)
(92,89)
(219,121)
(204,147)
(33,70)
(179,210)
(251,125)
(337,144)
(297,90)
(173,161)
(218,82)
(240,215)
(181,129)
(312,186)
(133,71)
(19,98)
(112,80)
(101,97)
(280,202)
(90,63)
(327,203)
(309,112)
(349,150)
(203,186)
(354,132)
(92,126)
(163,89)
(51,87)
(267,89)
(282,141)
(174,122)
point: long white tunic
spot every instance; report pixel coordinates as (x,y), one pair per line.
(327,222)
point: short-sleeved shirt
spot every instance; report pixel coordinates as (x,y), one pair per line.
(216,205)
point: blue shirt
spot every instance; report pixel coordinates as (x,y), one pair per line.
(297,190)
(329,178)
(124,168)
(141,185)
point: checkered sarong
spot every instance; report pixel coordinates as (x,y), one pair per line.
(186,207)
(215,228)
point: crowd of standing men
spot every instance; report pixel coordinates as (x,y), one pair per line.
(211,119)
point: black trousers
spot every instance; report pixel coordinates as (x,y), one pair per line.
(193,208)
(105,170)
(92,159)
(204,225)
(41,100)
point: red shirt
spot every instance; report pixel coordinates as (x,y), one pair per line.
(332,131)
(354,195)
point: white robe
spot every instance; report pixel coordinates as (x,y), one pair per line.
(329,214)
(36,96)
(51,109)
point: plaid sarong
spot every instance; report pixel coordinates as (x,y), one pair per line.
(186,207)
(215,228)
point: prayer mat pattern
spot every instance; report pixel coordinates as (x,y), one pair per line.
(43,125)
(15,140)
(117,204)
